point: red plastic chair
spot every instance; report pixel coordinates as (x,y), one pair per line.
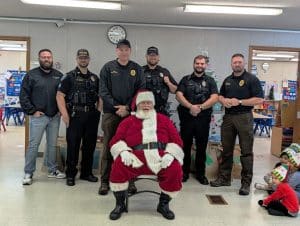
(1,120)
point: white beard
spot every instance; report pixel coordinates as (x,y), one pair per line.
(141,114)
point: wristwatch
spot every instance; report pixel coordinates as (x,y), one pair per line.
(240,102)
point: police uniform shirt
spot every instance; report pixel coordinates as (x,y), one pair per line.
(119,83)
(205,84)
(241,87)
(160,72)
(67,84)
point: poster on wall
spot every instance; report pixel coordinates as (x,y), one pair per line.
(13,85)
(289,90)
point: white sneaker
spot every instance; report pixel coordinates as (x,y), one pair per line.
(27,180)
(259,186)
(57,174)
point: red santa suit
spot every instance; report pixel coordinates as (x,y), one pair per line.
(134,131)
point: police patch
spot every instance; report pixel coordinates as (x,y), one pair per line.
(132,72)
(242,82)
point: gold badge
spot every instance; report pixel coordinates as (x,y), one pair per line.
(132,72)
(93,79)
(242,82)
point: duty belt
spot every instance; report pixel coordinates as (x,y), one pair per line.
(84,108)
(151,145)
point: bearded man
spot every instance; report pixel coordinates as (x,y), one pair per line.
(38,100)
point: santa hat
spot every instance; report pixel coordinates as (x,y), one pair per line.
(294,158)
(142,95)
(281,172)
(287,150)
(295,147)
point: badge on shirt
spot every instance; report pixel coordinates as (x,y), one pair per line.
(203,83)
(161,75)
(132,72)
(93,79)
(242,82)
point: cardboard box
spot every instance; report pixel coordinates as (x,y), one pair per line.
(62,155)
(276,141)
(288,112)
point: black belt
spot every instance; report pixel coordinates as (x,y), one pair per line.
(84,108)
(151,145)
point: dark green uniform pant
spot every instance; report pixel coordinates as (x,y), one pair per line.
(110,123)
(241,125)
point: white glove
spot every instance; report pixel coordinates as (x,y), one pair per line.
(166,160)
(126,158)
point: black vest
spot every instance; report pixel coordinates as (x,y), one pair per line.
(84,90)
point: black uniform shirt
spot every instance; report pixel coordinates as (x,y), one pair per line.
(241,87)
(119,83)
(158,70)
(162,97)
(38,91)
(204,81)
(68,82)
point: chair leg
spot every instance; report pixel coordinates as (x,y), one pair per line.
(126,202)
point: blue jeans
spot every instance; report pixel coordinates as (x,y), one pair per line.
(37,126)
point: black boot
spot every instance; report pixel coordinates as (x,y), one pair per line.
(163,206)
(120,205)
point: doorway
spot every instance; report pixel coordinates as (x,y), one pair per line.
(14,63)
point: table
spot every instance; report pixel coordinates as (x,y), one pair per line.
(16,112)
(261,123)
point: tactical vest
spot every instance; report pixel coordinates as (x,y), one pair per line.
(84,91)
(197,92)
(155,83)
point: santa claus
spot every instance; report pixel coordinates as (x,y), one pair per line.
(146,143)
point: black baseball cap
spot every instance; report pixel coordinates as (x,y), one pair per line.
(83,53)
(123,42)
(152,50)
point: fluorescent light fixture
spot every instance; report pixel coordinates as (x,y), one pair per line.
(263,58)
(232,10)
(295,60)
(13,49)
(10,45)
(77,3)
(274,55)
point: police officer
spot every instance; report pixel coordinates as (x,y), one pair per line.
(196,93)
(158,80)
(77,100)
(119,81)
(239,93)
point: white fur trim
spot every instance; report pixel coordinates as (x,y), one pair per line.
(145,96)
(153,160)
(176,151)
(149,133)
(118,186)
(172,194)
(118,147)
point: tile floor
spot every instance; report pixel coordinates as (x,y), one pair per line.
(51,202)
